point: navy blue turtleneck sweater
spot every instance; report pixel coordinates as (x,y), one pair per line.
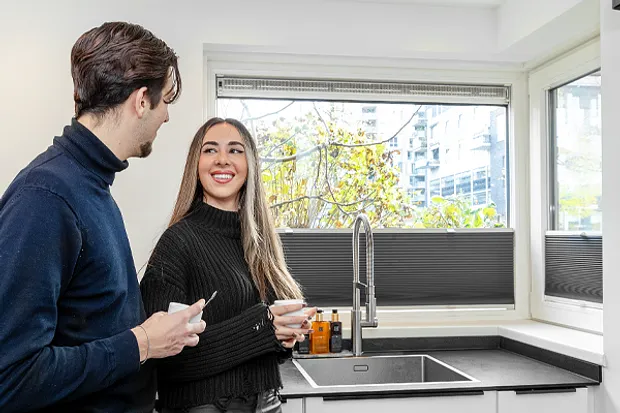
(69,292)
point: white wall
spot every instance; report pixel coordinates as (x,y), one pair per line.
(610,60)
(36,38)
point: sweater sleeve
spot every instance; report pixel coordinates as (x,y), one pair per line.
(223,345)
(40,242)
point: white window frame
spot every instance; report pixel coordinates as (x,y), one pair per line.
(578,63)
(239,61)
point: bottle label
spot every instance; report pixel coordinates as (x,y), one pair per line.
(335,345)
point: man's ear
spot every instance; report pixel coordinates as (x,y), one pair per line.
(140,101)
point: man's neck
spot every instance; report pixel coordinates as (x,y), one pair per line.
(109,131)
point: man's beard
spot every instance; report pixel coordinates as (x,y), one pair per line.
(145,149)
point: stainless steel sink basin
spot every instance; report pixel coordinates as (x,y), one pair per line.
(378,371)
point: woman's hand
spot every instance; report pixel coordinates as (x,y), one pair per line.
(286,335)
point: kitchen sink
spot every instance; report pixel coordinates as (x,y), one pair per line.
(378,371)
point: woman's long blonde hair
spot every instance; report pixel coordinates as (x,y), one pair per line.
(261,244)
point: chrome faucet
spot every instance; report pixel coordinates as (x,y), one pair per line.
(370,319)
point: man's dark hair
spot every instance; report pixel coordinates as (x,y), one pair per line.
(111,61)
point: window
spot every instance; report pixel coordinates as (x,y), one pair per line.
(434,188)
(463,184)
(311,187)
(565,145)
(480,180)
(577,158)
(573,262)
(321,168)
(447,186)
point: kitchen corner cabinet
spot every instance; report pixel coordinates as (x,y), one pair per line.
(569,400)
(471,403)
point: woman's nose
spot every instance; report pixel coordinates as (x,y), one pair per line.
(222,158)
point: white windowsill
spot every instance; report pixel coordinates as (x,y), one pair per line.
(574,343)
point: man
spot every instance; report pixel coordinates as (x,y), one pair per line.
(70,332)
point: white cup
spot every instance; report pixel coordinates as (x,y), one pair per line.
(292,313)
(176,307)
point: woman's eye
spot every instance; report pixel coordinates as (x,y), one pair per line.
(236,151)
(209,150)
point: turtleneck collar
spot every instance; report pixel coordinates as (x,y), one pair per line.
(90,152)
(227,223)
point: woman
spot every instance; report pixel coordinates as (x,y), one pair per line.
(222,238)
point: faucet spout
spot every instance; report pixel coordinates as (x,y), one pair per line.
(370,318)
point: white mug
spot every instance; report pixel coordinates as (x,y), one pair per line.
(292,313)
(175,307)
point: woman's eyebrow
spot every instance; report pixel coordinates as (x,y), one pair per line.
(231,143)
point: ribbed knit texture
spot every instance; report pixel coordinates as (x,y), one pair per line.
(238,353)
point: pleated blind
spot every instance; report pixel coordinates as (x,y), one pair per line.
(412,267)
(574,266)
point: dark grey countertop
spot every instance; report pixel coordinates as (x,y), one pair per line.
(494,369)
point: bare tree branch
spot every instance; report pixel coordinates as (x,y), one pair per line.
(329,187)
(247,109)
(318,171)
(330,143)
(322,120)
(267,114)
(320,198)
(272,150)
(294,157)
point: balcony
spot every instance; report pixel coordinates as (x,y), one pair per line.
(420,124)
(420,163)
(418,142)
(481,141)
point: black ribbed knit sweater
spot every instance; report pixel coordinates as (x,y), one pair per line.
(238,353)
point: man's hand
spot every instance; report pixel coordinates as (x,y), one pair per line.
(168,334)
